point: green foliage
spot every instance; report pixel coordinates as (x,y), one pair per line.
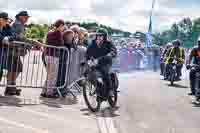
(37,31)
(186,30)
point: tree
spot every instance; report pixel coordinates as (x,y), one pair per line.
(195,30)
(186,30)
(38,31)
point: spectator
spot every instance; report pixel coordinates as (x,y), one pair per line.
(18,26)
(134,54)
(54,39)
(139,56)
(82,37)
(68,24)
(156,57)
(18,30)
(8,60)
(76,30)
(63,66)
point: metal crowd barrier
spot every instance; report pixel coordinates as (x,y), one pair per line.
(34,67)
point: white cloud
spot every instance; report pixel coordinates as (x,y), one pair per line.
(128,15)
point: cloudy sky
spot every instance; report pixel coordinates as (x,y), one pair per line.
(130,15)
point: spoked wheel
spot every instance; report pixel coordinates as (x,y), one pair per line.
(90,96)
(112,98)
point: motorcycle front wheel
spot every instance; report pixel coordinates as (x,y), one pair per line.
(112,99)
(91,97)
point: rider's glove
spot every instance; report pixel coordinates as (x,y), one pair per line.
(5,40)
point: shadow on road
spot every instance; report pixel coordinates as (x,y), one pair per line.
(105,112)
(23,101)
(57,103)
(16,101)
(177,86)
(195,104)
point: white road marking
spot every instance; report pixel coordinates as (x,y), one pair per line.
(106,125)
(110,125)
(21,125)
(143,125)
(102,125)
(105,122)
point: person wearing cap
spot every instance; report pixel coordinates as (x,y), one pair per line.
(194,59)
(54,39)
(8,60)
(18,30)
(175,52)
(18,26)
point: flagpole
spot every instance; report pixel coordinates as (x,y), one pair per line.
(153,3)
(148,34)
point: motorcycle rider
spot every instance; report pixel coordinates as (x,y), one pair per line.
(162,64)
(104,51)
(195,53)
(175,52)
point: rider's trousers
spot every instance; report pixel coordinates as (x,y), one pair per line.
(193,81)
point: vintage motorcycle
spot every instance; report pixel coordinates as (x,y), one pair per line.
(94,89)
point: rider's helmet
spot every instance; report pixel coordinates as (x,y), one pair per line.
(169,45)
(102,31)
(176,42)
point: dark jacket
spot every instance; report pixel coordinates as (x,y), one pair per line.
(6,32)
(96,52)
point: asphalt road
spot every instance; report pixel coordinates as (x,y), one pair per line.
(146,105)
(150,105)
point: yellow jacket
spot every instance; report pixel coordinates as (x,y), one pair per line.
(175,53)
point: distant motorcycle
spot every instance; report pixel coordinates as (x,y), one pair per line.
(172,72)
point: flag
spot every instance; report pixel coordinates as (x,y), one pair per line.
(148,35)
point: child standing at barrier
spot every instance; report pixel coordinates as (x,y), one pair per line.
(54,40)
